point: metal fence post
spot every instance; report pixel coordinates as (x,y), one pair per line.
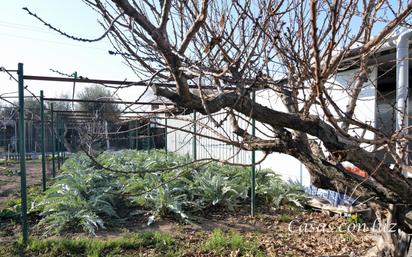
(136,135)
(61,135)
(148,138)
(43,150)
(23,189)
(253,170)
(53,140)
(166,134)
(74,87)
(129,141)
(62,148)
(58,140)
(194,144)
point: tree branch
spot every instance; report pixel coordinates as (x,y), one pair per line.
(200,19)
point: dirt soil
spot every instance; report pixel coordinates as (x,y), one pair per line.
(269,228)
(273,231)
(10,178)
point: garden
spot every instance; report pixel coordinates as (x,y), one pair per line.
(154,203)
(205,128)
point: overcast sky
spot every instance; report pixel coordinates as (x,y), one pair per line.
(24,39)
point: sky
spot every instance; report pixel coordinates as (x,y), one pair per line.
(24,39)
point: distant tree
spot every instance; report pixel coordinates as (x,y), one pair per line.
(102,111)
(62,105)
(32,107)
(7,112)
(96,129)
(8,117)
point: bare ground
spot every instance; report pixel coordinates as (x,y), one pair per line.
(10,178)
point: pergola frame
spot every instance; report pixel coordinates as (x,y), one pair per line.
(82,115)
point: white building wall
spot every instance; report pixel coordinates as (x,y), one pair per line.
(206,147)
(288,167)
(341,86)
(178,141)
(285,165)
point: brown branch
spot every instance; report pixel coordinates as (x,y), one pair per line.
(200,19)
(167,4)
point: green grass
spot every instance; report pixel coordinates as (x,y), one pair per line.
(284,218)
(3,162)
(163,245)
(223,243)
(11,172)
(136,244)
(348,238)
(8,250)
(9,162)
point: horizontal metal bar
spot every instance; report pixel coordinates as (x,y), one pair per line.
(102,101)
(87,112)
(113,82)
(15,96)
(95,81)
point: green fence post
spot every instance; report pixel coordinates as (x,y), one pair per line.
(58,140)
(136,135)
(22,146)
(253,170)
(166,134)
(61,140)
(43,137)
(148,138)
(128,135)
(53,141)
(194,143)
(153,137)
(131,135)
(74,87)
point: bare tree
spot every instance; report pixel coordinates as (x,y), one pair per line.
(293,49)
(91,134)
(101,114)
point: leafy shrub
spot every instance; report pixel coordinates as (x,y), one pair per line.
(13,209)
(81,196)
(273,190)
(185,188)
(132,182)
(140,162)
(161,198)
(8,213)
(214,187)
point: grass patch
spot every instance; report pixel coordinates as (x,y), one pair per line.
(8,250)
(3,162)
(162,244)
(11,172)
(223,243)
(284,218)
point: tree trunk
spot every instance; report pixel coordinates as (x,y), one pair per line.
(394,241)
(395,220)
